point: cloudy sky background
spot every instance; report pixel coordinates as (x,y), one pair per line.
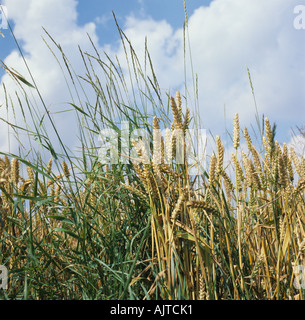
(226,37)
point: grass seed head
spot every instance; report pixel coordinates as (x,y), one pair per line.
(157,142)
(15,171)
(219,156)
(7,162)
(30,174)
(248,139)
(65,169)
(186,120)
(236,135)
(176,114)
(269,133)
(212,170)
(49,167)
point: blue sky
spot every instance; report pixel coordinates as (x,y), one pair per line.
(226,37)
(101,13)
(170,10)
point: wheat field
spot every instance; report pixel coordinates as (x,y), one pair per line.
(72,227)
(232,238)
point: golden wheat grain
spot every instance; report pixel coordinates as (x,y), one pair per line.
(49,167)
(266,167)
(42,187)
(156,158)
(50,183)
(137,147)
(173,139)
(201,288)
(258,167)
(179,205)
(302,167)
(269,133)
(57,193)
(179,104)
(65,169)
(199,204)
(295,160)
(107,171)
(256,159)
(283,176)
(134,190)
(141,151)
(2,164)
(162,150)
(282,228)
(278,149)
(148,181)
(268,151)
(178,99)
(186,120)
(161,183)
(7,162)
(52,191)
(156,123)
(236,135)
(168,145)
(25,186)
(247,167)
(228,184)
(212,170)
(30,174)
(248,139)
(153,187)
(176,114)
(219,157)
(255,177)
(174,145)
(168,169)
(275,168)
(290,169)
(139,172)
(5,173)
(92,195)
(15,171)
(65,204)
(301,185)
(285,152)
(239,171)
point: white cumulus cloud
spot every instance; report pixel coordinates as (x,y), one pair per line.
(226,37)
(59,18)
